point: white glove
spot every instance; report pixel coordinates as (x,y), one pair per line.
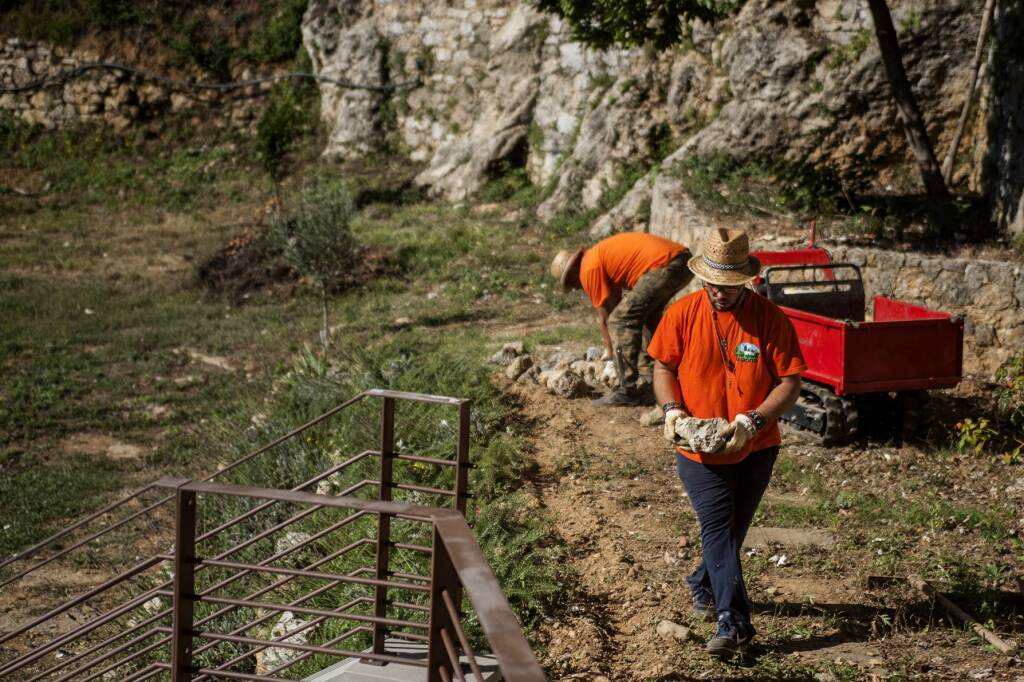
(672,417)
(738,434)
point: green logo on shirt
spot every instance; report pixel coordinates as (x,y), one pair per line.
(747,352)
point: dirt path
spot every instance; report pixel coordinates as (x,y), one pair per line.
(610,486)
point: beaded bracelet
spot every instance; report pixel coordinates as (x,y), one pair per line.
(671,405)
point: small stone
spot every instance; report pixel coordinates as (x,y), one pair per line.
(594,353)
(568,385)
(518,365)
(652,418)
(772,591)
(683,541)
(671,630)
(705,436)
(508,352)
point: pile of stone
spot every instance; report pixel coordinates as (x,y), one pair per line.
(564,373)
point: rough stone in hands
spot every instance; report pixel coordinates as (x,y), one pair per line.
(704,436)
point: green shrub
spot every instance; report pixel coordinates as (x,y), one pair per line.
(727,184)
(280,38)
(316,237)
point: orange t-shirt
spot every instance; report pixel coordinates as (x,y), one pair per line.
(620,260)
(760,343)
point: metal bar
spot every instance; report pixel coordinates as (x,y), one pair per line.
(407,605)
(415,548)
(117,664)
(86,541)
(294,432)
(184,586)
(304,656)
(305,647)
(411,576)
(231,675)
(456,617)
(290,633)
(148,672)
(515,659)
(25,553)
(462,459)
(453,655)
(417,397)
(387,451)
(298,572)
(100,659)
(423,489)
(443,577)
(270,606)
(258,508)
(272,586)
(427,460)
(414,636)
(135,570)
(412,511)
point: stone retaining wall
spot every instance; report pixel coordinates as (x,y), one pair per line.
(113,98)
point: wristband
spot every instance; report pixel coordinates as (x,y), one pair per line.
(671,405)
(757,418)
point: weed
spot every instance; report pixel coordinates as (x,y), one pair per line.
(850,53)
(728,184)
(575,461)
(975,436)
(510,183)
(281,36)
(601,81)
(573,219)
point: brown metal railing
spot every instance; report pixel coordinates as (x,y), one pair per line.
(106,645)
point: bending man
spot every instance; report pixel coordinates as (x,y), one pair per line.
(725,352)
(630,278)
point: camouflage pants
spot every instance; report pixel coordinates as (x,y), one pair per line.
(634,319)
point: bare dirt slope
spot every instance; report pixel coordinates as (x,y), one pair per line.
(610,487)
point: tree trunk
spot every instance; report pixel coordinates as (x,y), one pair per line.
(913,123)
(986,24)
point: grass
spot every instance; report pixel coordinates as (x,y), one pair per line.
(103,321)
(729,185)
(37,490)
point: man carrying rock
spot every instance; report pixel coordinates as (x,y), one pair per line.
(727,365)
(629,277)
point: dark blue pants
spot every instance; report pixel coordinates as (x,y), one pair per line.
(725,497)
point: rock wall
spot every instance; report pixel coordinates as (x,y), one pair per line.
(114,98)
(504,86)
(989,294)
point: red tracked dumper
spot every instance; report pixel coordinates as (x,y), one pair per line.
(864,368)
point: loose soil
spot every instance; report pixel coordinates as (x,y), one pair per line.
(609,485)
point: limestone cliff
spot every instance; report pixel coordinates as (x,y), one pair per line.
(503,85)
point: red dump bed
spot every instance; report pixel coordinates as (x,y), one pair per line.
(905,348)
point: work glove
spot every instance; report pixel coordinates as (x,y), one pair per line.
(737,434)
(673,417)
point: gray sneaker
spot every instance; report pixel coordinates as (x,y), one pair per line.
(729,639)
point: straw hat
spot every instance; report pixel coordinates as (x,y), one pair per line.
(563,263)
(726,260)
